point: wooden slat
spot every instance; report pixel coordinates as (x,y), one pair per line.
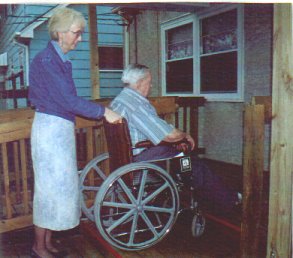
(13,131)
(194,125)
(15,223)
(190,101)
(164,105)
(23,159)
(14,198)
(279,242)
(17,172)
(185,119)
(89,144)
(83,122)
(6,181)
(253,168)
(16,114)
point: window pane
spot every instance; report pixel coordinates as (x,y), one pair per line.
(180,76)
(219,73)
(179,42)
(219,32)
(110,58)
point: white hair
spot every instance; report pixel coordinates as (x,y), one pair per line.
(62,19)
(133,73)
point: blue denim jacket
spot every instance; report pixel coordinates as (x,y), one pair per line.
(52,89)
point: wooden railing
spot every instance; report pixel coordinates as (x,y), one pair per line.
(18,90)
(16,172)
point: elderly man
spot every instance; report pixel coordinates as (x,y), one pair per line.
(145,124)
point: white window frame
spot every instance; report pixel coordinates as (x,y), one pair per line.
(179,21)
(195,19)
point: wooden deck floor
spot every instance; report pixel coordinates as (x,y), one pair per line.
(217,242)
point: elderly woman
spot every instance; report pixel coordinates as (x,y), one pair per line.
(52,91)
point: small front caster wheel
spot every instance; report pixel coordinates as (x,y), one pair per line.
(198,225)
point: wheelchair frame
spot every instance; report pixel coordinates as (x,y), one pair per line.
(138,203)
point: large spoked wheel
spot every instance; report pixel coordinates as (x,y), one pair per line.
(131,211)
(90,180)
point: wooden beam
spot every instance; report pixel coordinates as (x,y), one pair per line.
(253,169)
(267,102)
(94,55)
(280,202)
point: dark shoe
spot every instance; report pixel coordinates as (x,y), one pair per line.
(59,254)
(239,199)
(34,254)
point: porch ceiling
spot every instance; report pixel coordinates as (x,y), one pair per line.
(163,6)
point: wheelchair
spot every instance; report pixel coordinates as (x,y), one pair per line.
(137,204)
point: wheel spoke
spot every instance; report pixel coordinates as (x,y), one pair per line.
(159,209)
(90,188)
(100,172)
(155,193)
(149,224)
(119,205)
(133,229)
(127,191)
(120,221)
(142,185)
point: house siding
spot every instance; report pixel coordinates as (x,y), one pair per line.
(109,33)
(222,141)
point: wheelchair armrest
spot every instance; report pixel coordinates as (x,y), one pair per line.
(144,144)
(177,145)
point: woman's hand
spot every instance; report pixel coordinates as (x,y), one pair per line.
(111,116)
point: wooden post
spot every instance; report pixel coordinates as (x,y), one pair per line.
(253,167)
(280,202)
(94,55)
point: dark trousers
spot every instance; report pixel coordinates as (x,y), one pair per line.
(208,185)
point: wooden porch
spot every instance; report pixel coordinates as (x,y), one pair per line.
(216,242)
(17,183)
(16,175)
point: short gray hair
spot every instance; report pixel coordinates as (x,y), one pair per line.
(133,73)
(62,19)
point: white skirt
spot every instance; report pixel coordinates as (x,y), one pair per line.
(56,204)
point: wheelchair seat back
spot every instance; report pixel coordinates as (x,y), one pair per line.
(119,144)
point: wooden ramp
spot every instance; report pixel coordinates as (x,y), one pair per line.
(83,242)
(216,242)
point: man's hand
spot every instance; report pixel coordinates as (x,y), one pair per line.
(111,116)
(190,140)
(177,135)
(184,147)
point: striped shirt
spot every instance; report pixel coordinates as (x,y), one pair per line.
(142,118)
